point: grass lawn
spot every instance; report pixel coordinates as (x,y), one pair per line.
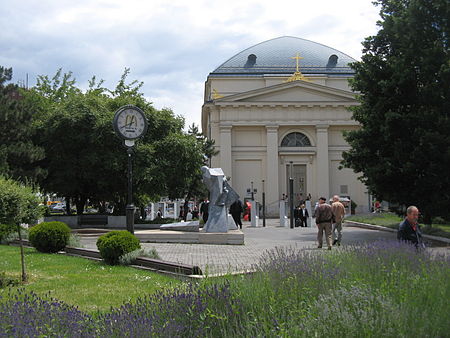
(91,285)
(392,220)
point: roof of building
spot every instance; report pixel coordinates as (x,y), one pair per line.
(275,56)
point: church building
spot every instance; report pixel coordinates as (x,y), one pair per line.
(278,109)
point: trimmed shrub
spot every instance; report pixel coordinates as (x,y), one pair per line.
(115,244)
(49,236)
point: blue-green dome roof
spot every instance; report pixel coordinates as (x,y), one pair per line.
(275,57)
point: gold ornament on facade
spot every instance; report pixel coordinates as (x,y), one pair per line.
(297,75)
(216,95)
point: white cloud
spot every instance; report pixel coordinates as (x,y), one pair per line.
(171,46)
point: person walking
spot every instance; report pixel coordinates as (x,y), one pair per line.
(324,221)
(338,212)
(247,211)
(235,210)
(189,215)
(195,213)
(377,207)
(204,210)
(297,216)
(303,216)
(409,229)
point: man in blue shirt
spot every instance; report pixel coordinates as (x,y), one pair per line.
(409,229)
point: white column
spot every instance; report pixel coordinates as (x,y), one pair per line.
(164,210)
(254,215)
(152,211)
(271,188)
(283,217)
(308,206)
(225,150)
(323,163)
(176,210)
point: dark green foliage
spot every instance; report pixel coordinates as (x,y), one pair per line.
(83,153)
(6,230)
(403,147)
(19,156)
(115,244)
(439,220)
(49,236)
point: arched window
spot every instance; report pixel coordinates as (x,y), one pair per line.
(295,140)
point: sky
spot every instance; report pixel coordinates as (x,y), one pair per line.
(171,46)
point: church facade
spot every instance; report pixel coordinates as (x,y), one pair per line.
(278,110)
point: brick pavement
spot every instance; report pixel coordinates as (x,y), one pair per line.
(219,259)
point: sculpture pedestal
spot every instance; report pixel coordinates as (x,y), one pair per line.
(231,223)
(217,219)
(232,237)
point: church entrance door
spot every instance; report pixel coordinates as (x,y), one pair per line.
(299,175)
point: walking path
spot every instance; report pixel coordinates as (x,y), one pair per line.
(219,259)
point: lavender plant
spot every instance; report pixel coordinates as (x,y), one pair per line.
(28,315)
(369,290)
(189,311)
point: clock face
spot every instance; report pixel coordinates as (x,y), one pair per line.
(130,123)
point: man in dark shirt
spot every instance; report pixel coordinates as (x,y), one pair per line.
(235,210)
(324,220)
(204,210)
(303,216)
(409,229)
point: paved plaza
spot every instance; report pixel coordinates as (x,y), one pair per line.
(219,259)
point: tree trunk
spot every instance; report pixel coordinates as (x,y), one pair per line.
(102,207)
(80,202)
(22,256)
(185,208)
(68,210)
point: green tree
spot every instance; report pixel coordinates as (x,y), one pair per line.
(402,149)
(18,204)
(187,154)
(19,156)
(87,161)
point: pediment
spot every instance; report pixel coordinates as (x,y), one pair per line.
(297,91)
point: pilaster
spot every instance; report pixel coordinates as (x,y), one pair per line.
(272,188)
(323,163)
(225,150)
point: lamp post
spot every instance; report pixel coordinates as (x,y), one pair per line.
(291,195)
(263,204)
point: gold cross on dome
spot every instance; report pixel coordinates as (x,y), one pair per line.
(298,57)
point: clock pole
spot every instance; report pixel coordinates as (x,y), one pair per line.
(130,205)
(130,124)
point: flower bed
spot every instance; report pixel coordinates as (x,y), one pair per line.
(376,289)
